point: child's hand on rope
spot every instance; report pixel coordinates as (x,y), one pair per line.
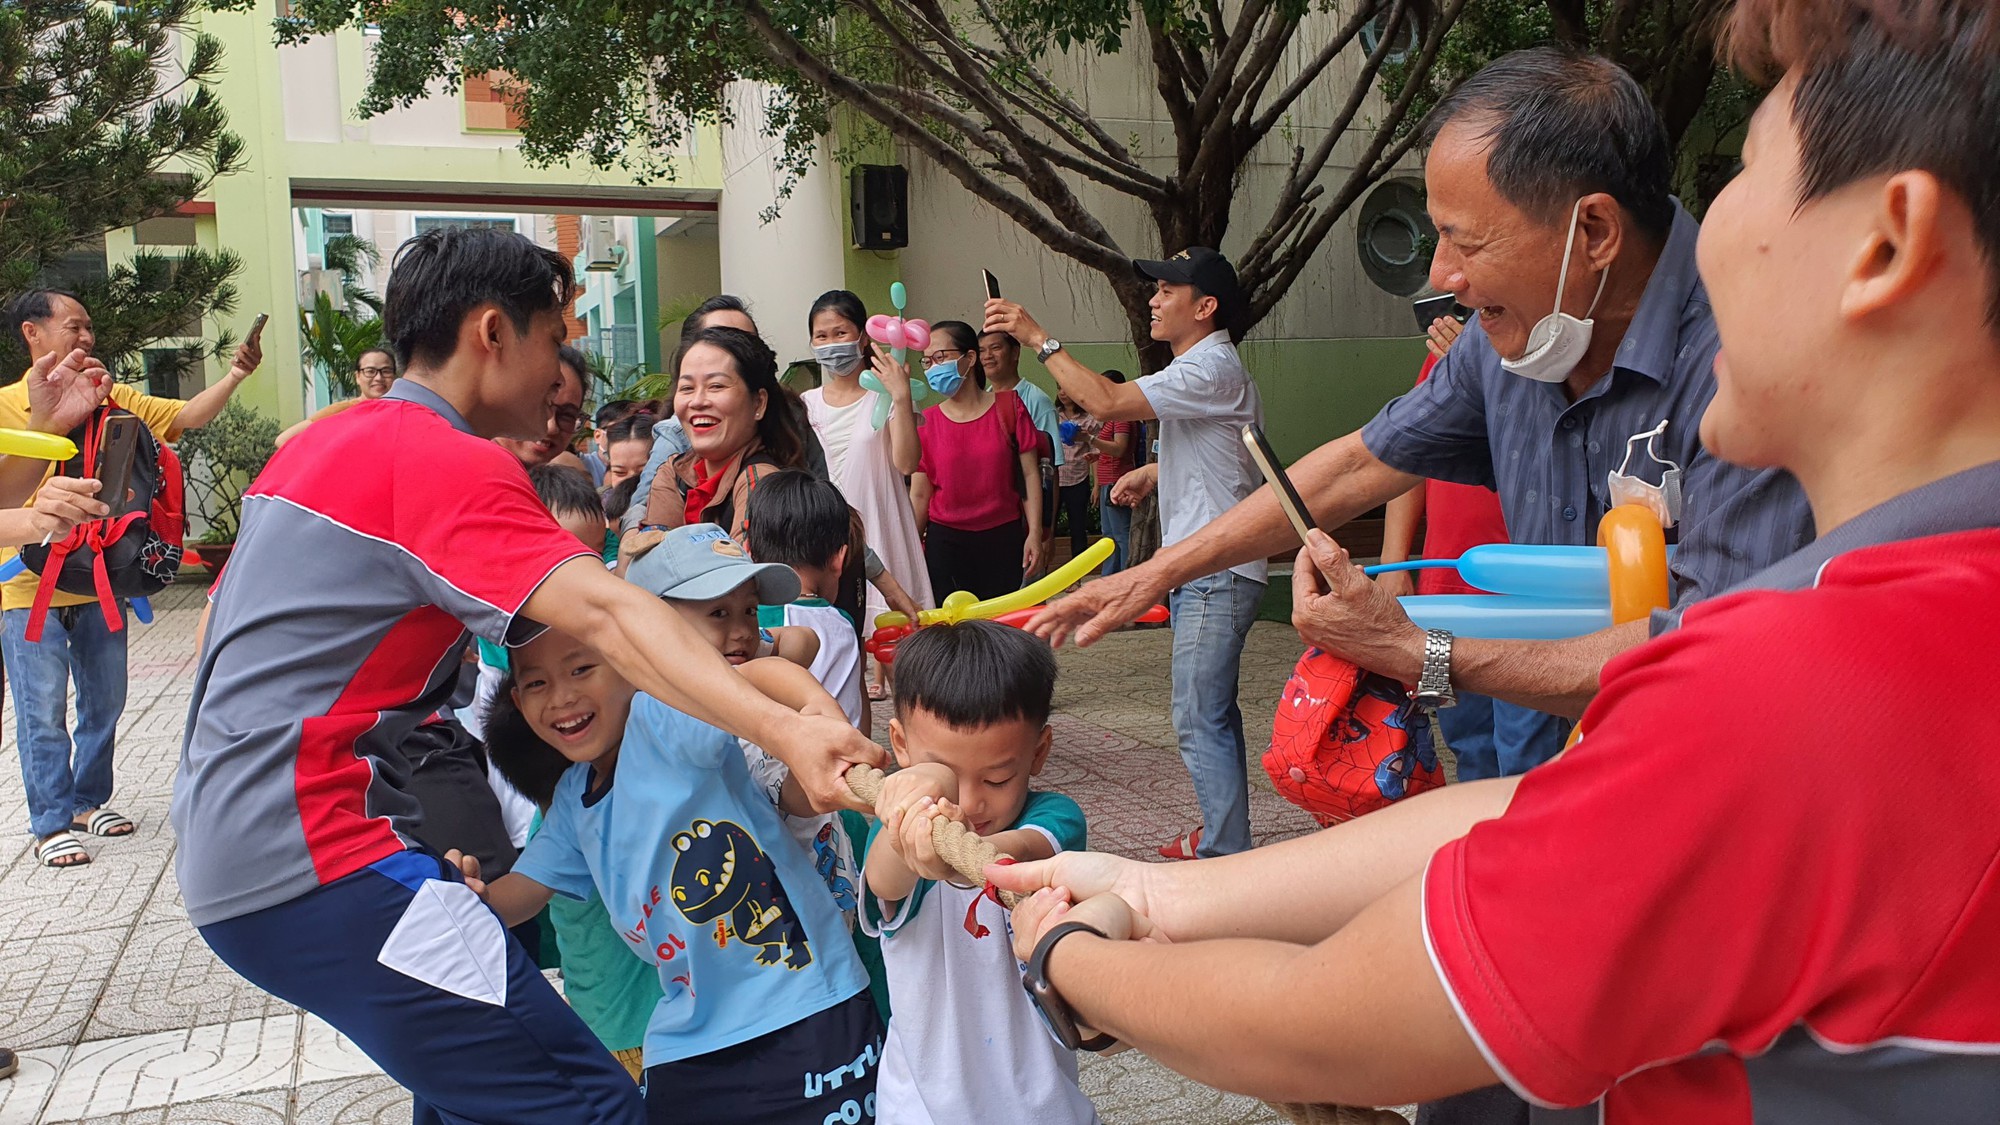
(904,788)
(918,849)
(1107,913)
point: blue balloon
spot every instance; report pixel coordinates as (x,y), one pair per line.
(1508,616)
(143,610)
(1536,572)
(12,568)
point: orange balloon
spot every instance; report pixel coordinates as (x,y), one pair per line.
(1636,547)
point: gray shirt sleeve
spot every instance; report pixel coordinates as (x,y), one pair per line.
(1438,430)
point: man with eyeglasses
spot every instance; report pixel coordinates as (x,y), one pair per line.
(374,377)
(552,448)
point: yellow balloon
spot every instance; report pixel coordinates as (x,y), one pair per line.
(34,443)
(960,605)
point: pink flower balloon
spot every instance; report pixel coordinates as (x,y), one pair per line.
(918,332)
(878,327)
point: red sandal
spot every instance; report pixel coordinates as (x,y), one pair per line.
(1182,847)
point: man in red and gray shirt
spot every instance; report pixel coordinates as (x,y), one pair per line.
(371,549)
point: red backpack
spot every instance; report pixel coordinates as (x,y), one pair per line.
(1340,743)
(129,555)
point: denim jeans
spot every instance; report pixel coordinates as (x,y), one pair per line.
(1212,616)
(1495,739)
(1116,523)
(75,644)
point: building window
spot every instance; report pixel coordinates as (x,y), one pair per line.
(461,222)
(337,225)
(1394,237)
(172,372)
(166,230)
(487,109)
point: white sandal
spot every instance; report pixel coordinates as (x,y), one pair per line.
(104,822)
(60,847)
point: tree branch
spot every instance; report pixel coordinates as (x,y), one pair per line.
(787,50)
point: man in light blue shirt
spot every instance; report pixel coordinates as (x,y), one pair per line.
(1000,361)
(1202,400)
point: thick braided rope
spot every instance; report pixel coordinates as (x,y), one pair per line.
(969,856)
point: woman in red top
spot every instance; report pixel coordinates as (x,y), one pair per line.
(979,446)
(1116,444)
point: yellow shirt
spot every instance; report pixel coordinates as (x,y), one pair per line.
(161,415)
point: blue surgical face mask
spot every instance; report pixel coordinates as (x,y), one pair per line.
(945,377)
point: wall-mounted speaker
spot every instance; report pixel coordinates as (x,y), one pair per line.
(879,198)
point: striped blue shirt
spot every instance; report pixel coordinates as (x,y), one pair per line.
(1474,422)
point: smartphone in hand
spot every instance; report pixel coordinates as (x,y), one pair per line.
(1289,499)
(257,328)
(992,285)
(117,446)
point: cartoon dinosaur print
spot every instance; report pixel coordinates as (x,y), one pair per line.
(721,875)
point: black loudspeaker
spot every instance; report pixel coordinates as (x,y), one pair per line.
(879,195)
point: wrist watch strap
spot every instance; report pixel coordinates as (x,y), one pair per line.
(1434,688)
(1054,1012)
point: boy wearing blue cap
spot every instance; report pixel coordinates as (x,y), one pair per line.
(658,813)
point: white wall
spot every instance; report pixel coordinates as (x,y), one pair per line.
(779,268)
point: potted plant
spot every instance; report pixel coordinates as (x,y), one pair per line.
(221,459)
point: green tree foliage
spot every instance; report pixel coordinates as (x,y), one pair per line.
(977,87)
(331,342)
(108,118)
(1668,45)
(222,459)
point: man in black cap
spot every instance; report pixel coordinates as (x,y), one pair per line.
(1202,401)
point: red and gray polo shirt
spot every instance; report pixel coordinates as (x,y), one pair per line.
(1766,885)
(368,548)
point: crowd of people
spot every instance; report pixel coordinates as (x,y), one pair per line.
(1730,899)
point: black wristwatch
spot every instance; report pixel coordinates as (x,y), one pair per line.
(1056,1014)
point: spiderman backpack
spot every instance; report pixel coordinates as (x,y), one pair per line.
(132,553)
(1340,744)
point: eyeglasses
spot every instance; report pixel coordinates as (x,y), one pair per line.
(377,372)
(940,357)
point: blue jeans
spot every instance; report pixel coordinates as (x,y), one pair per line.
(1212,616)
(1495,739)
(1117,525)
(76,644)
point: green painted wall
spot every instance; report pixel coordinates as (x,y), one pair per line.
(1313,390)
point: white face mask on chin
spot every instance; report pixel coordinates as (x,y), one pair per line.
(1558,341)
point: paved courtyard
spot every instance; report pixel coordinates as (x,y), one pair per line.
(122,1016)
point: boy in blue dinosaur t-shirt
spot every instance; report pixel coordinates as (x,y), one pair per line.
(765,1014)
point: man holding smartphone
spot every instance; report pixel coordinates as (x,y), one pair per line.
(68,783)
(1202,400)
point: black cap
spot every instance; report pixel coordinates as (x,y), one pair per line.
(1203,268)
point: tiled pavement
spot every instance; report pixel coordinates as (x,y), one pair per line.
(122,1016)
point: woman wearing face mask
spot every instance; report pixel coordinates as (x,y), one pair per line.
(738,427)
(867,464)
(968,486)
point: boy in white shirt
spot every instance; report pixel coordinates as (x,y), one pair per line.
(965,1045)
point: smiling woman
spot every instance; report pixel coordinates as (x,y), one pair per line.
(739,425)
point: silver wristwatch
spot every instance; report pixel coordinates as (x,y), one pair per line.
(1434,684)
(1049,347)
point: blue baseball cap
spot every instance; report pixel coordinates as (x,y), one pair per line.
(700,561)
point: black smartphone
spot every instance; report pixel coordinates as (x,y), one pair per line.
(992,285)
(1274,474)
(117,445)
(1430,308)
